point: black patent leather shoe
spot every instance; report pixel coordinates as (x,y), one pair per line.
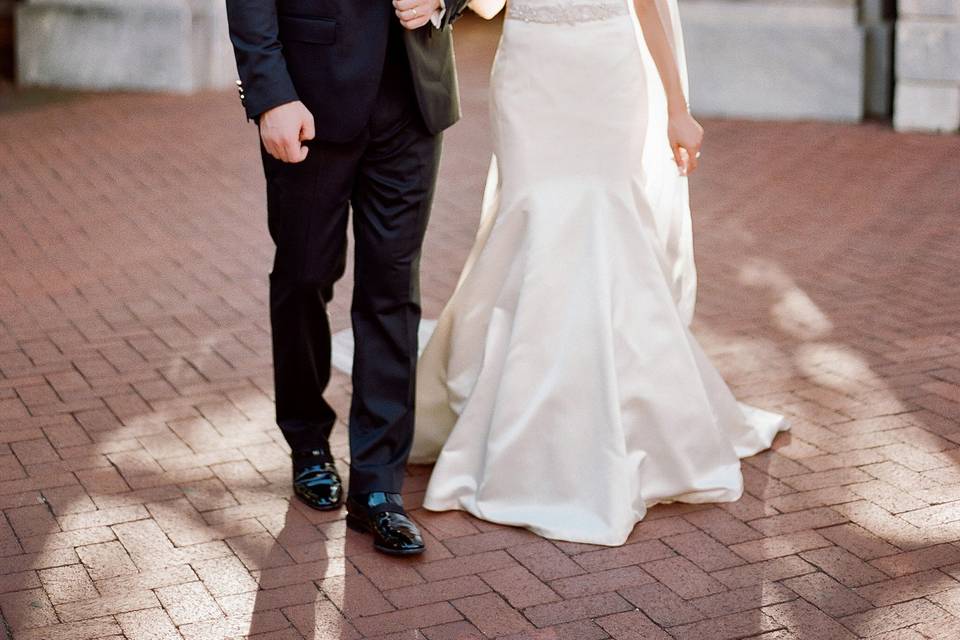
(316,481)
(382,515)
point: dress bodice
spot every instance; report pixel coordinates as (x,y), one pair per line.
(569,12)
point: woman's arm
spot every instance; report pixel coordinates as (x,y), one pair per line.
(487,9)
(662,52)
(685,133)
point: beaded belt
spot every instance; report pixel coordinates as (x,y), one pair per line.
(566,13)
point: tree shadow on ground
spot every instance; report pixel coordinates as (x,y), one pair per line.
(155,472)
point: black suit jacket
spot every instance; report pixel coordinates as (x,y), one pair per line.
(330,55)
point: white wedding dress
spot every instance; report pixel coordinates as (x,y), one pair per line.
(562,390)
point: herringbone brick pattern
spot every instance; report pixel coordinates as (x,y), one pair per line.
(144,489)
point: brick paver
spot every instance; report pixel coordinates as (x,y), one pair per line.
(144,488)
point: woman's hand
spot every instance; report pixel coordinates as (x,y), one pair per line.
(686,137)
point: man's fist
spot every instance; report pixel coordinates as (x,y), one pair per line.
(414,14)
(283,128)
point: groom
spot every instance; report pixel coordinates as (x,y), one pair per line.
(351,97)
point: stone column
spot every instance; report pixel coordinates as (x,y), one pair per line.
(928,66)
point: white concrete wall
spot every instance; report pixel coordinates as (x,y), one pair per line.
(789,59)
(165,45)
(928,66)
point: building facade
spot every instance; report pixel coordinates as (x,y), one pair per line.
(842,60)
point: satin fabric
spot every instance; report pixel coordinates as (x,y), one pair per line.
(562,390)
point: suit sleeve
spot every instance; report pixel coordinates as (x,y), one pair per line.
(264,82)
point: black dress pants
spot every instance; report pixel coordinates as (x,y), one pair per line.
(387,177)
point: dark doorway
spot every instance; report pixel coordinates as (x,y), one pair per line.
(6,39)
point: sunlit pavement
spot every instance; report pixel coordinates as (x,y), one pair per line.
(144,487)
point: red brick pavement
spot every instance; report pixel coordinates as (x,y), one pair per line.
(144,489)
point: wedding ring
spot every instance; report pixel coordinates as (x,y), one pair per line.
(697,156)
(415,13)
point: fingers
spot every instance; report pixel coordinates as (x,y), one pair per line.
(678,156)
(274,149)
(694,153)
(283,128)
(293,150)
(687,160)
(307,132)
(300,154)
(307,128)
(414,14)
(288,148)
(415,23)
(693,158)
(683,158)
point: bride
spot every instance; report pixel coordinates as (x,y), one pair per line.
(562,390)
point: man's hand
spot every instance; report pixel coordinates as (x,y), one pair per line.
(283,128)
(414,14)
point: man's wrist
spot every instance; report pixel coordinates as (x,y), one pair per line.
(265,98)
